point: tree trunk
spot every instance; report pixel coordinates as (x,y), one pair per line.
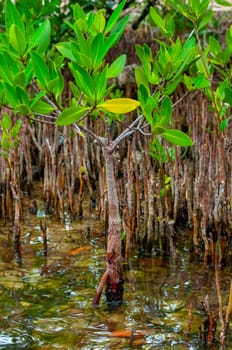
(113,277)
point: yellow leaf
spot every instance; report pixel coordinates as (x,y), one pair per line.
(119,105)
(127,333)
(78,250)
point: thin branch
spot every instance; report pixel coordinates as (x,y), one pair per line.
(131,129)
(91,134)
(32,131)
(45,115)
(180,99)
(42,121)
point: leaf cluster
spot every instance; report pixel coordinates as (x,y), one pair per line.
(190,60)
(31,71)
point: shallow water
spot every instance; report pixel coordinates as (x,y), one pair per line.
(46,299)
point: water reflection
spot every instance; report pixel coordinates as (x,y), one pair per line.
(46,300)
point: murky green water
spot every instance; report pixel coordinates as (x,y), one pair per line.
(46,301)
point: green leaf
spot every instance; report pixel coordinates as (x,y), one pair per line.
(78,13)
(143,93)
(12,16)
(22,109)
(170,25)
(6,122)
(116,67)
(37,98)
(157,19)
(40,69)
(17,39)
(177,137)
(203,11)
(20,79)
(100,82)
(97,49)
(223,3)
(75,90)
(201,82)
(56,83)
(229,38)
(65,48)
(114,17)
(119,105)
(187,54)
(205,20)
(228,95)
(8,67)
(116,33)
(5,142)
(41,107)
(81,24)
(166,110)
(41,37)
(224,124)
(195,5)
(71,115)
(16,128)
(214,45)
(10,94)
(158,129)
(141,78)
(172,85)
(84,60)
(22,95)
(123,234)
(84,81)
(99,22)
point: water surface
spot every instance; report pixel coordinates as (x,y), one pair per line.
(46,297)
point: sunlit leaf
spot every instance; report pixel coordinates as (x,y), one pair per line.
(98,48)
(65,48)
(78,12)
(6,122)
(114,17)
(177,137)
(40,69)
(71,115)
(100,83)
(12,16)
(99,22)
(116,33)
(84,80)
(205,19)
(41,107)
(41,36)
(117,66)
(16,128)
(11,95)
(166,110)
(157,19)
(201,82)
(119,105)
(17,39)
